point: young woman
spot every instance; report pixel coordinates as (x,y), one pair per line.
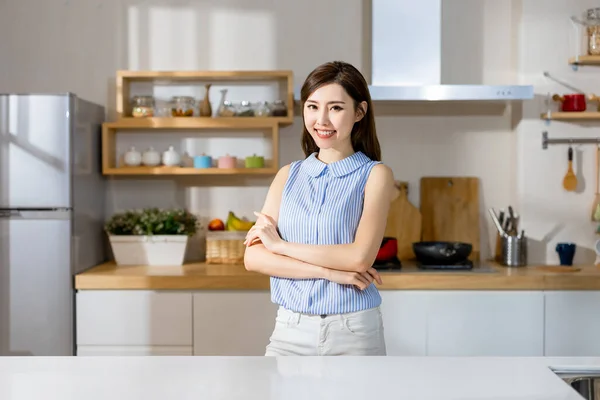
(322,224)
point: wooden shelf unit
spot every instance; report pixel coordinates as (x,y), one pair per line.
(571,116)
(585,60)
(125,79)
(109,155)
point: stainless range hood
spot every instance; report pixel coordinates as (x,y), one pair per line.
(408,57)
(423,51)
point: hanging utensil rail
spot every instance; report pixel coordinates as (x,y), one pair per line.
(546,141)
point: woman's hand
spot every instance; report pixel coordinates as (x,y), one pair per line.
(264,230)
(361,280)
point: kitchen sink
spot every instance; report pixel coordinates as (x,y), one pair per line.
(586,382)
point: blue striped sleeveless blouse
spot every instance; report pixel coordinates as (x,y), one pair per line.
(322,204)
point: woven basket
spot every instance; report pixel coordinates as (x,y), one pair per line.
(225,247)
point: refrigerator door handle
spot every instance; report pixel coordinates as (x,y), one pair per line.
(6,214)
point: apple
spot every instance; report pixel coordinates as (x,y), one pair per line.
(216,225)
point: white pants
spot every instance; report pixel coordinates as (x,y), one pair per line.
(352,334)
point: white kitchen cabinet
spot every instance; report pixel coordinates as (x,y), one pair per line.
(133,318)
(233,323)
(572,324)
(405,322)
(485,323)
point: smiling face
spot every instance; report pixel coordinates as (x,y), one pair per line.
(329,116)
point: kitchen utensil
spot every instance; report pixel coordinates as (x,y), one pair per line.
(514,250)
(497,222)
(403,222)
(450,210)
(439,252)
(570,180)
(571,102)
(596,203)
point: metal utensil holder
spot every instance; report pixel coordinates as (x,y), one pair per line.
(514,250)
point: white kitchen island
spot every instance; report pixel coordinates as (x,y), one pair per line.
(288,378)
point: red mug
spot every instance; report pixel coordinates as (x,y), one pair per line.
(571,102)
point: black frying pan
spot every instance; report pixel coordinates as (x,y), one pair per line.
(441,252)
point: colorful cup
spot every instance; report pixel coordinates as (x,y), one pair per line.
(255,161)
(566,252)
(202,161)
(227,161)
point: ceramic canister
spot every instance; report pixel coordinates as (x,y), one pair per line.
(133,158)
(151,157)
(203,161)
(171,157)
(227,161)
(255,161)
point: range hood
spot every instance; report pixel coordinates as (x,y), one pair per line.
(414,45)
(408,57)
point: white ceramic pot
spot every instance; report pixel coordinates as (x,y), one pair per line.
(151,157)
(154,250)
(171,157)
(133,158)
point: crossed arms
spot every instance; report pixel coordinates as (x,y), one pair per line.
(351,263)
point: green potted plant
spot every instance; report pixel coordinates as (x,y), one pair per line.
(151,236)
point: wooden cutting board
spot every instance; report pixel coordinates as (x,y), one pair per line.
(450,210)
(403,222)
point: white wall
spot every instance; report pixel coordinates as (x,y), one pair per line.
(551,214)
(68,45)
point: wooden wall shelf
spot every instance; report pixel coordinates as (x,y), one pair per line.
(189,171)
(571,116)
(175,123)
(124,122)
(585,60)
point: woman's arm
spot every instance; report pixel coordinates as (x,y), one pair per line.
(258,258)
(360,255)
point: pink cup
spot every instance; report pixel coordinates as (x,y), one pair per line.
(227,161)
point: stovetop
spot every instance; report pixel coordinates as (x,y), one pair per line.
(393,264)
(461,265)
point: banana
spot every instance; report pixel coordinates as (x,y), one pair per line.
(236,224)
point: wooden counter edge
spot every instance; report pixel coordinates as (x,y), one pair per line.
(108,277)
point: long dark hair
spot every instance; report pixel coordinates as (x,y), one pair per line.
(363,135)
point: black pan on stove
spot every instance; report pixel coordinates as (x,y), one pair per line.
(439,252)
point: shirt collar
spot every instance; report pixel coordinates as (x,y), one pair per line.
(314,167)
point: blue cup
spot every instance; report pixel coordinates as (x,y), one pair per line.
(202,162)
(566,252)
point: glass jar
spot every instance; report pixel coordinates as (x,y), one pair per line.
(262,109)
(226,110)
(245,110)
(279,109)
(593,31)
(182,106)
(142,106)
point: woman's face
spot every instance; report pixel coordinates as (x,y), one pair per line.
(329,116)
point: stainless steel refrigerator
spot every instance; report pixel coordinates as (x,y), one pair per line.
(51,217)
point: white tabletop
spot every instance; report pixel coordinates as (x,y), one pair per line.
(289,378)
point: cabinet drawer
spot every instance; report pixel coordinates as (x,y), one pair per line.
(123,318)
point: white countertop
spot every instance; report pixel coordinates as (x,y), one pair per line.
(289,378)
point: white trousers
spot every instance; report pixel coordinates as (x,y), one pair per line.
(352,334)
